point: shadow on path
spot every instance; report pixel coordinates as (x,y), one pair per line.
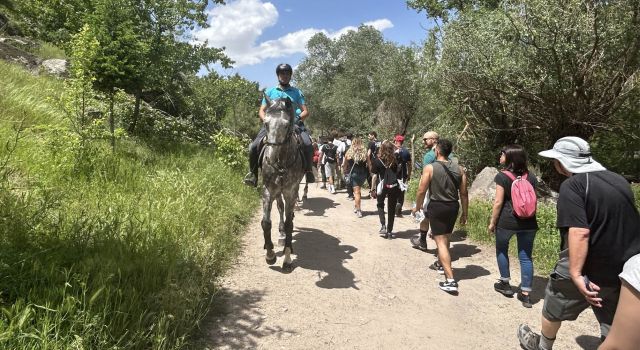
(588,342)
(236,321)
(458,251)
(321,252)
(470,272)
(318,206)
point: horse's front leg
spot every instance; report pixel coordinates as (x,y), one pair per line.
(267,201)
(287,265)
(280,204)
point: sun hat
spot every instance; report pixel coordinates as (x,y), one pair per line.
(574,154)
(399,138)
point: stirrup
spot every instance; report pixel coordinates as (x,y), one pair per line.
(251,180)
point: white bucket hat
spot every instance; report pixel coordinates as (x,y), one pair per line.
(574,154)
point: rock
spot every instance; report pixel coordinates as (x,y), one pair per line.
(483,187)
(13,54)
(55,67)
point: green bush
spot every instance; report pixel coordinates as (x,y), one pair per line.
(232,150)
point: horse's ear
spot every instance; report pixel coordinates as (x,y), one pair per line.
(264,94)
(288,102)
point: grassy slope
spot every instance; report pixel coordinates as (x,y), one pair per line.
(103,250)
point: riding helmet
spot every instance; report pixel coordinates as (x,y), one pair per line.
(284,67)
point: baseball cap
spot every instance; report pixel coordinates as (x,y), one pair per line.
(574,154)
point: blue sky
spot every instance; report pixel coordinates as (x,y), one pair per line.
(259,34)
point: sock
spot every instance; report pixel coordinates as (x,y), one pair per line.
(545,343)
(423,236)
(451,280)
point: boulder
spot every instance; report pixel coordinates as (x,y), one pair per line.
(55,67)
(11,53)
(483,187)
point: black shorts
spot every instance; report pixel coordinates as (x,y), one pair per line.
(442,216)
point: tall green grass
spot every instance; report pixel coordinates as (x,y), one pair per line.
(102,249)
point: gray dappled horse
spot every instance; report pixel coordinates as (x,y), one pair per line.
(282,170)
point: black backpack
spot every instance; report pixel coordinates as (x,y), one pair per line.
(390,178)
(329,151)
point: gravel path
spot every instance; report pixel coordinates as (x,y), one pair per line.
(351,289)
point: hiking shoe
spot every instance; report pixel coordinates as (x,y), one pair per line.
(323,187)
(449,286)
(391,235)
(310,178)
(250,180)
(436,266)
(418,244)
(359,213)
(350,198)
(529,340)
(383,231)
(503,288)
(525,299)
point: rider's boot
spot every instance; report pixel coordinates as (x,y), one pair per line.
(251,179)
(308,165)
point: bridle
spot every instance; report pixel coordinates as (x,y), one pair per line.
(288,134)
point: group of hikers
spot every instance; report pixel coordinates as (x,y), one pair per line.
(599,224)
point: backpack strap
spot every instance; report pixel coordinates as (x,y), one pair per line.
(455,183)
(512,176)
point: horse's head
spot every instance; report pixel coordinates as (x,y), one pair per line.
(278,120)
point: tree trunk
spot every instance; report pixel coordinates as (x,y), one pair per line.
(136,113)
(112,124)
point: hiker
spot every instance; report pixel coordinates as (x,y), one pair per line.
(505,221)
(599,227)
(372,151)
(321,161)
(355,166)
(337,180)
(283,90)
(385,167)
(446,182)
(429,140)
(330,154)
(404,162)
(624,330)
(347,145)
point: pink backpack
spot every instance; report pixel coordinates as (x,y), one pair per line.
(523,196)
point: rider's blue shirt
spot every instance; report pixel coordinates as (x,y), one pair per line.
(277,92)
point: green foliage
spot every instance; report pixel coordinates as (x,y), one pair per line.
(103,249)
(230,150)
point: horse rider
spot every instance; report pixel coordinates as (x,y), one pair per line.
(283,90)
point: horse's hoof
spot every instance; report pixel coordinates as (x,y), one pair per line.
(281,242)
(287,267)
(271,261)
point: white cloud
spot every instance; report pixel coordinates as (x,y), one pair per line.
(238,25)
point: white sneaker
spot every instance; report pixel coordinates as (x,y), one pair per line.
(333,189)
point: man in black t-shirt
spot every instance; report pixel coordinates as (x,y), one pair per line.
(600,229)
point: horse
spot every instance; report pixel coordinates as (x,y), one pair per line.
(282,171)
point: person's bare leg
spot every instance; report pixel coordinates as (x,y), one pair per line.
(357,195)
(624,330)
(442,242)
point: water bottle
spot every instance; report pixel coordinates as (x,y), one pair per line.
(419,215)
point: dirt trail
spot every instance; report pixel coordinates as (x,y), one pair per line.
(351,289)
